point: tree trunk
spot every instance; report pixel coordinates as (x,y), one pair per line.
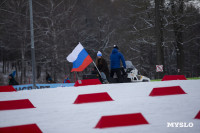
(22,65)
(159,34)
(23,50)
(178,29)
(4,65)
(55,56)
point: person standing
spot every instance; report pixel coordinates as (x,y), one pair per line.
(102,65)
(12,80)
(66,80)
(48,78)
(115,58)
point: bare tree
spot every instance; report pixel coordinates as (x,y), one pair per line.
(15,28)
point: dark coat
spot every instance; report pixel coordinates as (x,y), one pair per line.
(49,79)
(102,66)
(12,81)
(115,58)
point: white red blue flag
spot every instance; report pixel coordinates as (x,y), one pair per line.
(80,58)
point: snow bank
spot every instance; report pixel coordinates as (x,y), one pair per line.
(56,113)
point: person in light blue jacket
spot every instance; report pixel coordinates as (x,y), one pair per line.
(115,67)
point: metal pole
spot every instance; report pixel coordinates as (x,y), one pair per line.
(32,44)
(97,68)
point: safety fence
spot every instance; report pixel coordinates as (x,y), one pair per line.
(41,86)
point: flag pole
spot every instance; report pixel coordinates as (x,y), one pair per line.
(77,78)
(97,68)
(74,77)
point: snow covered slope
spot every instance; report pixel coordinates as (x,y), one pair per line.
(56,113)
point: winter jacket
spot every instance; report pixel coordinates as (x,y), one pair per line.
(66,80)
(115,58)
(49,79)
(102,66)
(12,81)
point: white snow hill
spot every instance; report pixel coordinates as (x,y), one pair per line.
(55,111)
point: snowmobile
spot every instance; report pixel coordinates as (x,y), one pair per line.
(133,73)
(130,74)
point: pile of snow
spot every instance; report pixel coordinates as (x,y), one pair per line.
(56,113)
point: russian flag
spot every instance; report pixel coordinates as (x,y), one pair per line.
(80,58)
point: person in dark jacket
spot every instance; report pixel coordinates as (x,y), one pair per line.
(49,79)
(115,67)
(102,65)
(12,80)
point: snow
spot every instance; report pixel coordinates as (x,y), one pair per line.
(56,113)
(195,3)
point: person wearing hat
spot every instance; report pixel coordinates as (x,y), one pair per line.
(102,65)
(12,80)
(115,67)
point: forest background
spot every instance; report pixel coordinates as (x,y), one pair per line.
(147,32)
